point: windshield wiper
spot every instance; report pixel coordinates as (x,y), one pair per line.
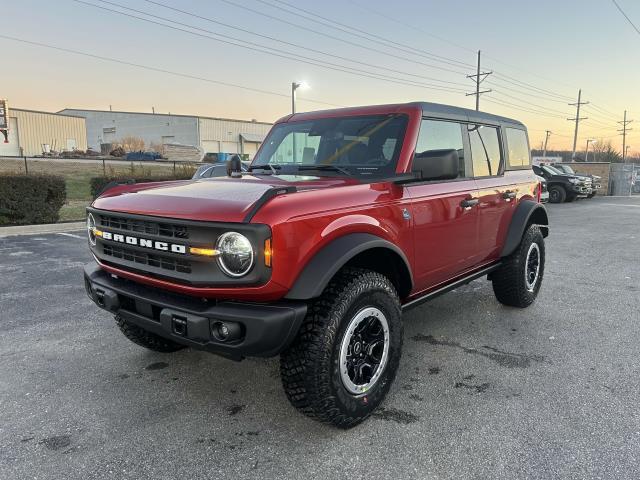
(332,168)
(268,166)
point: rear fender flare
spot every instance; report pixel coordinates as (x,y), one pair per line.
(527,212)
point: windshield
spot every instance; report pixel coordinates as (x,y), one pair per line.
(367,146)
(551,170)
(566,169)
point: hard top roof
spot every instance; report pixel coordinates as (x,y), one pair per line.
(428,109)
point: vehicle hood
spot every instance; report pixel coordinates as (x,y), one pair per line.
(214,199)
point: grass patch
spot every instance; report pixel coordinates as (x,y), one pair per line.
(74,210)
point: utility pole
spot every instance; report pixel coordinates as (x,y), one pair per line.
(546,139)
(623,132)
(479,77)
(577,120)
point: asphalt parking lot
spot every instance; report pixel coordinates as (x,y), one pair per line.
(484,391)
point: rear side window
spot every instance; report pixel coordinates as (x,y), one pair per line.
(441,135)
(518,148)
(485,150)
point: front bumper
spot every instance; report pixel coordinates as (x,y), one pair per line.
(580,189)
(265,329)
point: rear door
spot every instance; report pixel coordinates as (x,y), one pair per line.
(445,217)
(496,193)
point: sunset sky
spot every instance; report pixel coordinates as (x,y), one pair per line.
(541,53)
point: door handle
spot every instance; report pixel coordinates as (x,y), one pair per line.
(509,195)
(471,202)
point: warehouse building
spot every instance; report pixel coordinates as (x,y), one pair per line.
(208,134)
(34,133)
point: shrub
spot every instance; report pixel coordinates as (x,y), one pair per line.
(29,199)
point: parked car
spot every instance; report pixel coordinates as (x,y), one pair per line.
(544,190)
(596,180)
(209,170)
(562,186)
(316,260)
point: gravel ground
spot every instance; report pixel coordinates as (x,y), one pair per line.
(483,391)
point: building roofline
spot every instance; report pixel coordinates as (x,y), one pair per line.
(13,109)
(164,115)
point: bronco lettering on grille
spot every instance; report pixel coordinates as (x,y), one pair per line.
(144,242)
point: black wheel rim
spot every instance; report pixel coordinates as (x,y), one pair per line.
(532,267)
(364,350)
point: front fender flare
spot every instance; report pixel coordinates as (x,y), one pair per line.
(527,212)
(319,271)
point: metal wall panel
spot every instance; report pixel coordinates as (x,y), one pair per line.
(225,134)
(39,128)
(108,127)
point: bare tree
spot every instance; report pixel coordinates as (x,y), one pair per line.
(132,144)
(605,152)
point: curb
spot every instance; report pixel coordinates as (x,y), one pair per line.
(41,229)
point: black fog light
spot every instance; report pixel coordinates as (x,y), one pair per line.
(226,331)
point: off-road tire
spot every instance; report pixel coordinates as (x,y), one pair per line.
(557,194)
(509,281)
(310,367)
(146,339)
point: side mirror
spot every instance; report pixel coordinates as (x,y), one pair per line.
(436,164)
(234,166)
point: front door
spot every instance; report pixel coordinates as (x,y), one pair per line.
(445,214)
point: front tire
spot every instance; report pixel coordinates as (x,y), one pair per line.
(146,339)
(557,194)
(517,282)
(342,363)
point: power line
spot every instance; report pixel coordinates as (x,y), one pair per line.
(523,109)
(630,22)
(324,34)
(350,29)
(160,70)
(272,51)
(296,45)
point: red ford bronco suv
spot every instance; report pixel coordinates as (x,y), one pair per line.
(345,219)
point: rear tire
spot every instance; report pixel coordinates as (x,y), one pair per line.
(517,282)
(146,339)
(342,363)
(557,194)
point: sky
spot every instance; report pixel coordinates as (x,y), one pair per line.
(349,52)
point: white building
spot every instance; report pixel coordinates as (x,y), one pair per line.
(211,135)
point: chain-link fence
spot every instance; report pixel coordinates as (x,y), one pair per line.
(78,174)
(624,179)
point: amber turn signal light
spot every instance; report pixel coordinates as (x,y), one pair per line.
(268,253)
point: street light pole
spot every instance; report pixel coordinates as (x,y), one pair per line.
(294,87)
(586,153)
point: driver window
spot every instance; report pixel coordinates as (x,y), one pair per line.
(441,135)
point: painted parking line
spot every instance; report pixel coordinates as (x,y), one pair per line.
(70,235)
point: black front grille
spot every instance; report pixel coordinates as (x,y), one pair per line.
(143,258)
(144,226)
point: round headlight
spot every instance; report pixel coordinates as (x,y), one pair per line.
(236,254)
(91,225)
